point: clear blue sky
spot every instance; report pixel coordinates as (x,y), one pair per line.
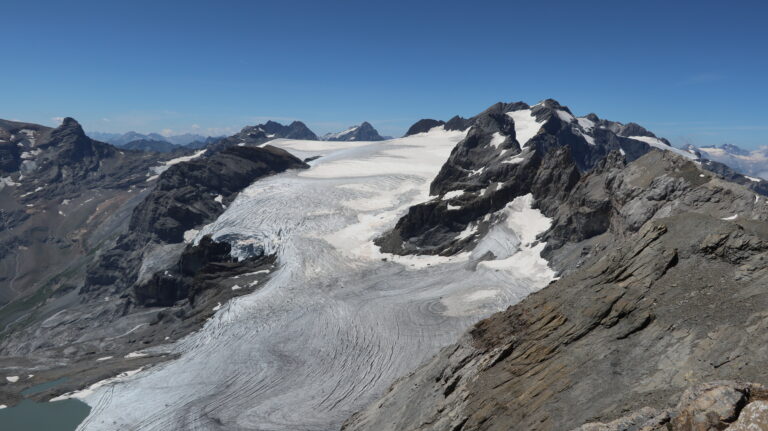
(690,71)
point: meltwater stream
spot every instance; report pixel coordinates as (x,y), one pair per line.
(338,322)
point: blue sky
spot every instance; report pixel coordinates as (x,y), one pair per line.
(691,71)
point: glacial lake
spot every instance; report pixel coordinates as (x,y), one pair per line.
(29,415)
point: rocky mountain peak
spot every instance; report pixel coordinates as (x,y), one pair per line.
(362,132)
(552,104)
(634,129)
(69,122)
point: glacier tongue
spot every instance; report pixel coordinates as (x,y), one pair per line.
(339,321)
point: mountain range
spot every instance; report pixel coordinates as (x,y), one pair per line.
(121,139)
(748,162)
(521,269)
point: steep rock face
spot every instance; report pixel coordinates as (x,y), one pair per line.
(511,150)
(667,295)
(362,132)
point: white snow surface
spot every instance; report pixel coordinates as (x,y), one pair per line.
(497,139)
(157,170)
(586,124)
(526,126)
(338,321)
(565,116)
(657,143)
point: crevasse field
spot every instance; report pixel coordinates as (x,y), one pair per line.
(338,321)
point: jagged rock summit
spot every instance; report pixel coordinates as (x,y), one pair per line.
(362,132)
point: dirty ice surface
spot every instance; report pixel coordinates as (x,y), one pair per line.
(339,321)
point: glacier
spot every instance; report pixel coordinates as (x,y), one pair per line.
(338,321)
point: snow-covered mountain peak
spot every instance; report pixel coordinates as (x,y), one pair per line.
(361,132)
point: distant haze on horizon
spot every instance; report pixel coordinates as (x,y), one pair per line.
(690,72)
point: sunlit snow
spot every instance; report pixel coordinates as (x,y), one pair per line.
(526,126)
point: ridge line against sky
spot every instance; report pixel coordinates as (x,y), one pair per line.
(688,71)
